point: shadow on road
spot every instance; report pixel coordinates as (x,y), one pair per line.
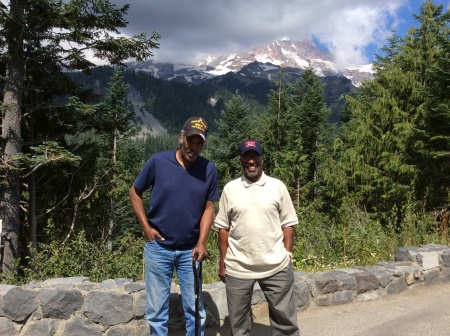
(257,329)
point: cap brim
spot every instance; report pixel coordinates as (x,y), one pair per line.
(189,133)
(251,149)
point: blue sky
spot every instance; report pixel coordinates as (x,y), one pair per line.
(192,30)
(405,21)
(402,21)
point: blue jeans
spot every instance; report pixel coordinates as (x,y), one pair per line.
(160,263)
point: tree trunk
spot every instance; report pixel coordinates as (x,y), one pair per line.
(11,135)
(32,210)
(112,204)
(12,139)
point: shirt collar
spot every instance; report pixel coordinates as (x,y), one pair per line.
(247,183)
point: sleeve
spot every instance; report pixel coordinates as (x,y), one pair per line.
(222,219)
(146,177)
(214,185)
(288,216)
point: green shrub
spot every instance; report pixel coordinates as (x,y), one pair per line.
(323,242)
(78,257)
(348,238)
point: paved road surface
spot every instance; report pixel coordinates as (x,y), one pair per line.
(420,311)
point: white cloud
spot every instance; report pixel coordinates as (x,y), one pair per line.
(347,32)
(193,29)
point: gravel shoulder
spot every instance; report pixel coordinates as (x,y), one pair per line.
(420,311)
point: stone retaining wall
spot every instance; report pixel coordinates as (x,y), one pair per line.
(76,306)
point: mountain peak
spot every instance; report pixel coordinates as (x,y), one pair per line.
(287,53)
(280,53)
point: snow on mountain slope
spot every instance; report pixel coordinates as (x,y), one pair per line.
(286,53)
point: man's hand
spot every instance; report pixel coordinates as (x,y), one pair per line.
(201,251)
(223,247)
(138,207)
(222,271)
(151,234)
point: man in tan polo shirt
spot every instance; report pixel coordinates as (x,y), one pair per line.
(256,237)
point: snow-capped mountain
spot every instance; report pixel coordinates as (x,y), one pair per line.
(286,53)
(190,74)
(283,53)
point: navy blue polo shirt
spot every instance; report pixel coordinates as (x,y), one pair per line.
(178,197)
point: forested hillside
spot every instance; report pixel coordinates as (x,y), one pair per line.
(362,187)
(172,102)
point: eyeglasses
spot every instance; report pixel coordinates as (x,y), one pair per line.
(256,158)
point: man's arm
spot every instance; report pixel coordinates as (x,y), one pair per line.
(288,238)
(223,247)
(138,207)
(205,226)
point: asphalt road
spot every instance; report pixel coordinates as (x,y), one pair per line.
(420,311)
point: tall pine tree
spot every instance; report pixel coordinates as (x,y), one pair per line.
(380,145)
(49,34)
(233,127)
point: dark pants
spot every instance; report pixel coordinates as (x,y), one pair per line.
(279,292)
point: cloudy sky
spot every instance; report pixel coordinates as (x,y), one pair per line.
(192,30)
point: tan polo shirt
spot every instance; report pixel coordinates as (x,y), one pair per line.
(254,214)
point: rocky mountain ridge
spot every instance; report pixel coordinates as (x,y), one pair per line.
(280,53)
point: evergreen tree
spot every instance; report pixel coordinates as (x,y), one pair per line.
(309,116)
(276,123)
(35,36)
(294,129)
(232,129)
(115,126)
(379,148)
(433,140)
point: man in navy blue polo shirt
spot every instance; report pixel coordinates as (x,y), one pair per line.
(183,186)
